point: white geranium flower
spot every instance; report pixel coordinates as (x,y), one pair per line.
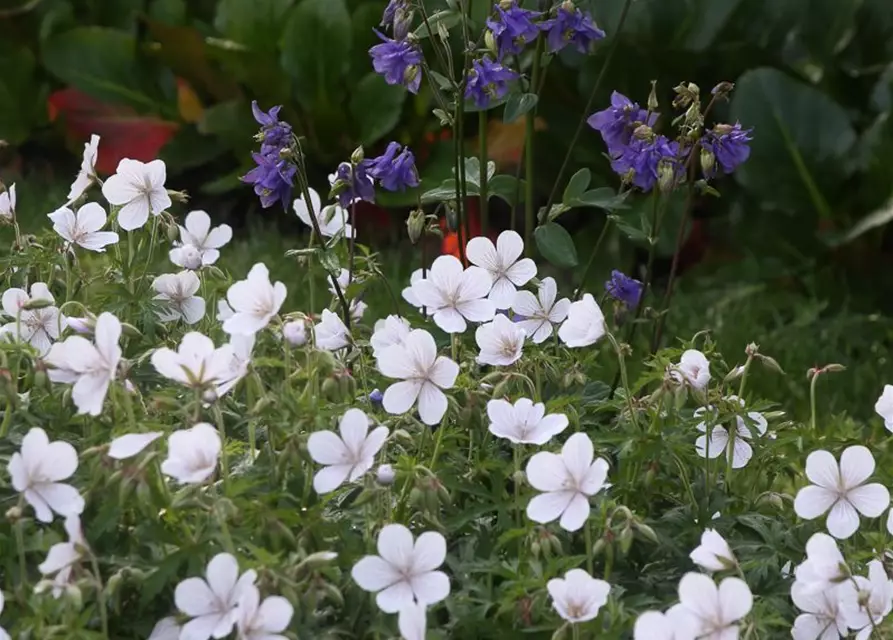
(693,368)
(254,300)
(347,456)
(717,610)
(166,629)
(83,228)
(131,444)
(37,472)
(197,238)
(865,602)
(408,293)
(8,203)
(3,634)
(453,295)
(256,620)
(138,188)
(357,307)
(242,347)
(37,327)
(676,624)
(822,617)
(212,602)
(824,565)
(503,263)
(540,311)
(195,363)
(714,553)
(585,323)
(404,571)
(331,334)
(295,332)
(387,332)
(176,292)
(422,374)
(224,311)
(884,406)
(87,174)
(90,367)
(841,490)
(500,341)
(578,596)
(412,621)
(332,219)
(740,452)
(192,454)
(524,422)
(566,481)
(62,556)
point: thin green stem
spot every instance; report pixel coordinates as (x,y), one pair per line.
(516,453)
(100,596)
(812,411)
(20,544)
(484,158)
(590,561)
(624,380)
(598,243)
(224,462)
(529,165)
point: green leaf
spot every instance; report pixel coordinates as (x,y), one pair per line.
(316,47)
(376,106)
(257,24)
(447,191)
(518,104)
(556,245)
(576,186)
(800,140)
(602,198)
(506,188)
(18,95)
(448,18)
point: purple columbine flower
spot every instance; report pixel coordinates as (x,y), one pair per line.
(273,179)
(399,61)
(513,28)
(644,157)
(395,169)
(728,143)
(487,80)
(617,122)
(571,26)
(624,289)
(352,183)
(274,134)
(398,16)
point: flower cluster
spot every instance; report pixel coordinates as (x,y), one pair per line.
(274,176)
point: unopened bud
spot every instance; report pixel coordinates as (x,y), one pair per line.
(178,196)
(834,368)
(415,225)
(358,155)
(708,161)
(652,97)
(36,303)
(770,363)
(723,89)
(643,132)
(82,325)
(295,333)
(519,477)
(13,514)
(666,176)
(209,396)
(490,42)
(734,374)
(385,475)
(646,531)
(722,129)
(318,559)
(411,73)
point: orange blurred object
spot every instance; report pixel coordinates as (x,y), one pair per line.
(449,246)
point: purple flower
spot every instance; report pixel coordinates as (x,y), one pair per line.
(570,25)
(624,289)
(487,80)
(513,29)
(728,143)
(272,178)
(643,157)
(274,134)
(398,16)
(398,61)
(352,183)
(395,169)
(617,122)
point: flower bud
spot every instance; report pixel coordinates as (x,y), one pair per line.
(82,325)
(723,89)
(411,73)
(666,176)
(376,397)
(519,477)
(415,225)
(318,559)
(452,216)
(295,333)
(722,129)
(192,257)
(626,540)
(13,514)
(708,161)
(36,303)
(646,531)
(652,97)
(358,155)
(330,389)
(385,475)
(643,132)
(209,396)
(178,196)
(490,42)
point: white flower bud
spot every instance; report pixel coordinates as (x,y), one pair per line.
(385,475)
(295,333)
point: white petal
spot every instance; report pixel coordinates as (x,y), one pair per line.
(431,587)
(547,507)
(822,469)
(131,444)
(813,501)
(330,478)
(429,551)
(374,574)
(870,500)
(843,520)
(432,404)
(400,396)
(856,466)
(575,514)
(735,599)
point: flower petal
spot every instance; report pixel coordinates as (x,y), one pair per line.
(372,573)
(432,403)
(822,469)
(843,520)
(400,396)
(735,599)
(546,472)
(131,444)
(813,501)
(856,466)
(575,514)
(870,500)
(431,587)
(330,478)
(549,506)
(429,551)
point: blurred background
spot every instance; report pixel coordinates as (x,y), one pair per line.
(795,255)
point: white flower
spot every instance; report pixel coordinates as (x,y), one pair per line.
(453,295)
(676,624)
(404,571)
(332,219)
(62,556)
(197,238)
(740,452)
(525,422)
(254,300)
(176,292)
(408,294)
(824,565)
(842,490)
(412,621)
(8,203)
(500,341)
(256,620)
(585,323)
(348,456)
(713,554)
(578,596)
(822,617)
(717,610)
(295,332)
(37,327)
(90,367)
(166,629)
(37,471)
(884,406)
(3,634)
(83,228)
(87,174)
(388,331)
(192,454)
(567,481)
(131,444)
(693,368)
(331,334)
(385,475)
(356,307)
(224,311)
(502,264)
(540,311)
(211,603)
(242,347)
(864,603)
(138,188)
(422,373)
(195,363)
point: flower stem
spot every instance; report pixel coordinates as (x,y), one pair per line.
(224,462)
(517,484)
(529,167)
(812,412)
(100,597)
(598,243)
(575,631)
(624,380)
(20,544)
(485,198)
(588,539)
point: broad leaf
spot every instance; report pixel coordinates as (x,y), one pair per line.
(556,245)
(601,198)
(257,24)
(376,107)
(576,186)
